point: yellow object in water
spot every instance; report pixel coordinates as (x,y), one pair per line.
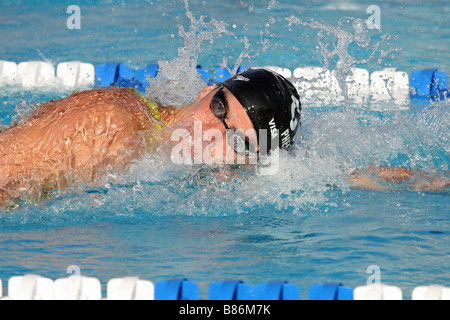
(152,107)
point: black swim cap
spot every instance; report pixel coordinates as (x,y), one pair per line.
(271,102)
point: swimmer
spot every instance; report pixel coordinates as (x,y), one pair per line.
(80,138)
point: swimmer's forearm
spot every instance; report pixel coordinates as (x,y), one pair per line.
(364,181)
(432,184)
(384,178)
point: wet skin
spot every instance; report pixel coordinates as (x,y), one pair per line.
(76,140)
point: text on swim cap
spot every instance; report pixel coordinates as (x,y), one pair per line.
(295,108)
(285,139)
(241,78)
(273,129)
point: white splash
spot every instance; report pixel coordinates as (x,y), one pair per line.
(178,81)
(334,42)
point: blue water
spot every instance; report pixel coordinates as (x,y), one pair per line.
(304,225)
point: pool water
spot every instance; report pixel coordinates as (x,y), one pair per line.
(304,225)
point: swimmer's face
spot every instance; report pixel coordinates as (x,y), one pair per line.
(220,115)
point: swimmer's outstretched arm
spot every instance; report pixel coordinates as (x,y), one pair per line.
(383,178)
(70,141)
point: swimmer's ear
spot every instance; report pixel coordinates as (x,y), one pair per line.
(205,92)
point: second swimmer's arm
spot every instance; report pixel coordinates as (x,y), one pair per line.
(384,178)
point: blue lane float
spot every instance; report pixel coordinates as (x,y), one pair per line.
(424,85)
(78,287)
(204,73)
(141,75)
(176,289)
(230,290)
(429,84)
(330,291)
(124,76)
(105,74)
(223,74)
(237,290)
(278,290)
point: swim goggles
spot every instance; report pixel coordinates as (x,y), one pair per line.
(236,138)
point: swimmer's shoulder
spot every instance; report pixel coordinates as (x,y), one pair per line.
(122,100)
